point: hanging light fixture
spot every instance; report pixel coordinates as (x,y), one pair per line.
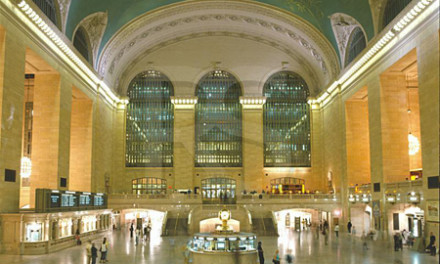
(26,167)
(413,141)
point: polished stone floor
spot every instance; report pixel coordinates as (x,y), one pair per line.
(305,248)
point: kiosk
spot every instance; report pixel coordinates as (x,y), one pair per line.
(224,245)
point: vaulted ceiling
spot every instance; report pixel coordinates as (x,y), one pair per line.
(316,12)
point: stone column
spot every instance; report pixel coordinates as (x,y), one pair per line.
(376,155)
(51,132)
(123,183)
(253,155)
(184,138)
(12,61)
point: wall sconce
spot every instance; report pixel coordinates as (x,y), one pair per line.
(391,198)
(365,198)
(414,197)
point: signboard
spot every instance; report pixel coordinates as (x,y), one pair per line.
(432,209)
(57,201)
(376,208)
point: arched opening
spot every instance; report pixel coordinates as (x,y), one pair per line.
(219,190)
(286,120)
(149,185)
(356,45)
(150,121)
(82,44)
(218,128)
(212,224)
(287,185)
(392,9)
(49,9)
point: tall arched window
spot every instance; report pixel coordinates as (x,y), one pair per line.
(49,9)
(81,43)
(286,120)
(218,121)
(356,45)
(149,121)
(392,9)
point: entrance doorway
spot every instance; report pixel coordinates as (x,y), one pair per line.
(294,219)
(212,224)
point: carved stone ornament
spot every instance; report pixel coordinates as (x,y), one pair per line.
(95,25)
(343,25)
(64,6)
(160,28)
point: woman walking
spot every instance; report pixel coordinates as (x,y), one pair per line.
(276,258)
(104,249)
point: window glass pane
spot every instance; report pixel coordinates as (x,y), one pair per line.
(48,8)
(356,46)
(392,9)
(218,121)
(286,119)
(149,186)
(149,121)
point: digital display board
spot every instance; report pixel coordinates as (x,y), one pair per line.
(57,200)
(98,200)
(85,200)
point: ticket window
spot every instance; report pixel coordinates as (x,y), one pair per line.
(65,226)
(34,232)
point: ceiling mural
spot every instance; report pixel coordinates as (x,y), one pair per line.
(316,12)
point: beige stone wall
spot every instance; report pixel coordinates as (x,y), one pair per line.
(358,142)
(394,127)
(253,150)
(12,55)
(81,145)
(184,140)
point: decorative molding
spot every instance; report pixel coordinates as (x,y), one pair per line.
(184,102)
(254,102)
(64,6)
(265,22)
(94,25)
(343,25)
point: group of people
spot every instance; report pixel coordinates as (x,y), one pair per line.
(138,232)
(92,252)
(276,258)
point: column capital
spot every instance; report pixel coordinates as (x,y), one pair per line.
(252,102)
(184,102)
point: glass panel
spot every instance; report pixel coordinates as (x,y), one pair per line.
(149,186)
(392,9)
(357,45)
(82,45)
(150,120)
(218,190)
(218,121)
(48,8)
(286,121)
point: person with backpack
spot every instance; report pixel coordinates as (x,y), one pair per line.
(276,258)
(289,257)
(104,249)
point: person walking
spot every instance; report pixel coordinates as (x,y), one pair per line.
(77,237)
(396,241)
(89,251)
(337,230)
(353,231)
(138,233)
(104,249)
(364,241)
(276,258)
(349,225)
(325,233)
(94,251)
(431,242)
(260,253)
(317,232)
(289,257)
(131,230)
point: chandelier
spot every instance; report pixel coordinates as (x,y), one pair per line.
(413,144)
(26,167)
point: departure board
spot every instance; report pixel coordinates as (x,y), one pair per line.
(58,200)
(85,200)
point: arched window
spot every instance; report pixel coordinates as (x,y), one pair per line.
(149,121)
(286,120)
(219,190)
(49,9)
(392,9)
(149,186)
(81,43)
(218,121)
(356,45)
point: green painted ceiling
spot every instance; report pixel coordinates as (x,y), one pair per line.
(317,12)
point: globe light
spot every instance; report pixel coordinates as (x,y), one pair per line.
(413,144)
(26,167)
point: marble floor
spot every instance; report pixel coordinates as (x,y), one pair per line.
(305,248)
